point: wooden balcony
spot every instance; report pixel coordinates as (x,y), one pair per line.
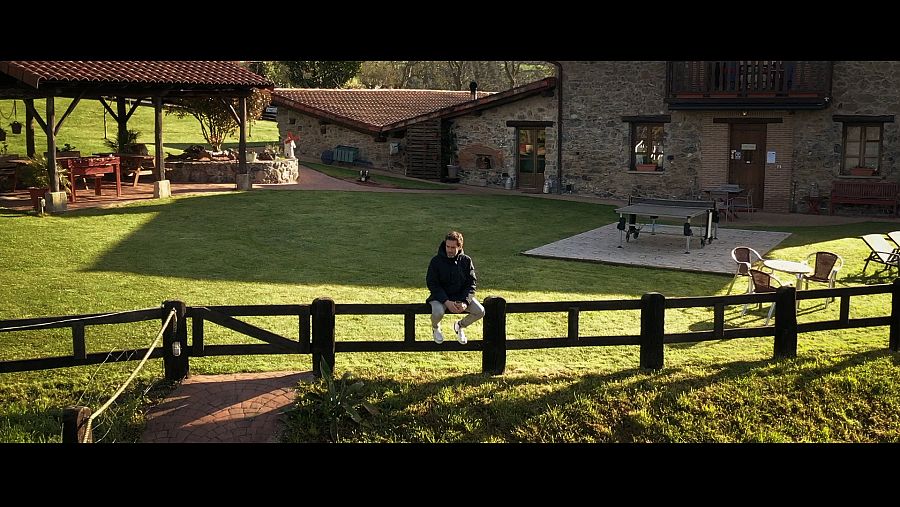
(748,84)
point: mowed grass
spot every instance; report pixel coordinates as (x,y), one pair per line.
(348,174)
(278,247)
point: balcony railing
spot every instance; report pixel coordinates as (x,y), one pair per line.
(748,83)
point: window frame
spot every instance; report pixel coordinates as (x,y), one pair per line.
(845,169)
(650,124)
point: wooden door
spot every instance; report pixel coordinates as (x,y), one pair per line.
(531,158)
(747,159)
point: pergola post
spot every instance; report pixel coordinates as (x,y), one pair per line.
(162,187)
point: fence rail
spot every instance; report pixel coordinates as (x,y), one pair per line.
(316,328)
(77,323)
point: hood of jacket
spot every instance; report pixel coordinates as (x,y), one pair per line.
(442,252)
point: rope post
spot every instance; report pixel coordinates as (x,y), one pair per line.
(493,355)
(175,349)
(653,319)
(74,425)
(322,334)
(895,316)
(786,322)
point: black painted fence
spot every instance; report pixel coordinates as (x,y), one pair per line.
(316,326)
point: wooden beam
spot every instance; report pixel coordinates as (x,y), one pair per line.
(230,109)
(109,109)
(134,107)
(65,115)
(29,106)
(160,168)
(29,127)
(654,118)
(242,141)
(251,330)
(863,118)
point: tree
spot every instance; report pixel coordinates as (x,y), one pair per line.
(492,76)
(216,121)
(309,74)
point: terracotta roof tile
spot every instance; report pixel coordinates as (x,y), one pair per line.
(375,108)
(148,72)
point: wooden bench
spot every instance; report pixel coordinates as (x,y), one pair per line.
(858,192)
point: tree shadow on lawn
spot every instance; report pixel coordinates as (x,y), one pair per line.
(296,237)
(498,408)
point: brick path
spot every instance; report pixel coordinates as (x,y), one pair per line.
(240,407)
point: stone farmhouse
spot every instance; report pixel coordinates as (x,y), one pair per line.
(781,129)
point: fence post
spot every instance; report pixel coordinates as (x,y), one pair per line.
(653,320)
(74,423)
(493,355)
(895,316)
(175,349)
(786,322)
(322,334)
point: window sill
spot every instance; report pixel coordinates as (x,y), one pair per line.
(631,171)
(852,177)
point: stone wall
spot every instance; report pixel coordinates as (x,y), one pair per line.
(858,88)
(596,142)
(262,171)
(486,131)
(596,146)
(316,138)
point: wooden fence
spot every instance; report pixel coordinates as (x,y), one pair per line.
(316,326)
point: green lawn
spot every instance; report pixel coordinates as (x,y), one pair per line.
(271,247)
(87,127)
(347,174)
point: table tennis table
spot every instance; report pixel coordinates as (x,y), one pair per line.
(676,209)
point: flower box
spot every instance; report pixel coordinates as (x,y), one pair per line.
(646,168)
(862,171)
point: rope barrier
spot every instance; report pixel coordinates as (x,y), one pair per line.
(79,319)
(131,377)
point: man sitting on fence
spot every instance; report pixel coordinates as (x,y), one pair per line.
(451,280)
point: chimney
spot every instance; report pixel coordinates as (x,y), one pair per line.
(473,87)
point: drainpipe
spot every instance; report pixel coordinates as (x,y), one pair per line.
(559,126)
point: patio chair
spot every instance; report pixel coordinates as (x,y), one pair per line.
(137,167)
(825,268)
(895,237)
(744,257)
(743,202)
(762,282)
(723,203)
(881,252)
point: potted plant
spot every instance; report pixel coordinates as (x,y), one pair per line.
(16,127)
(37,179)
(67,150)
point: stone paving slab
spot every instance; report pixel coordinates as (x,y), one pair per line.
(660,250)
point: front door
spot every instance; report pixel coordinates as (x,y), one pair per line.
(747,162)
(531,158)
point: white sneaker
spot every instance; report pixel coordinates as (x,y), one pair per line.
(438,335)
(460,334)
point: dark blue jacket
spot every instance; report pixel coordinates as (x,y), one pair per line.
(452,279)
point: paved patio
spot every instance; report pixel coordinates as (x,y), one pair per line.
(660,250)
(236,408)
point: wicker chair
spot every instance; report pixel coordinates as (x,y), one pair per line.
(762,282)
(744,257)
(825,268)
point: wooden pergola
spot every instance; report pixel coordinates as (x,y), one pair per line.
(157,81)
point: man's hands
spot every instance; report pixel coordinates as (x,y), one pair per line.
(455,306)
